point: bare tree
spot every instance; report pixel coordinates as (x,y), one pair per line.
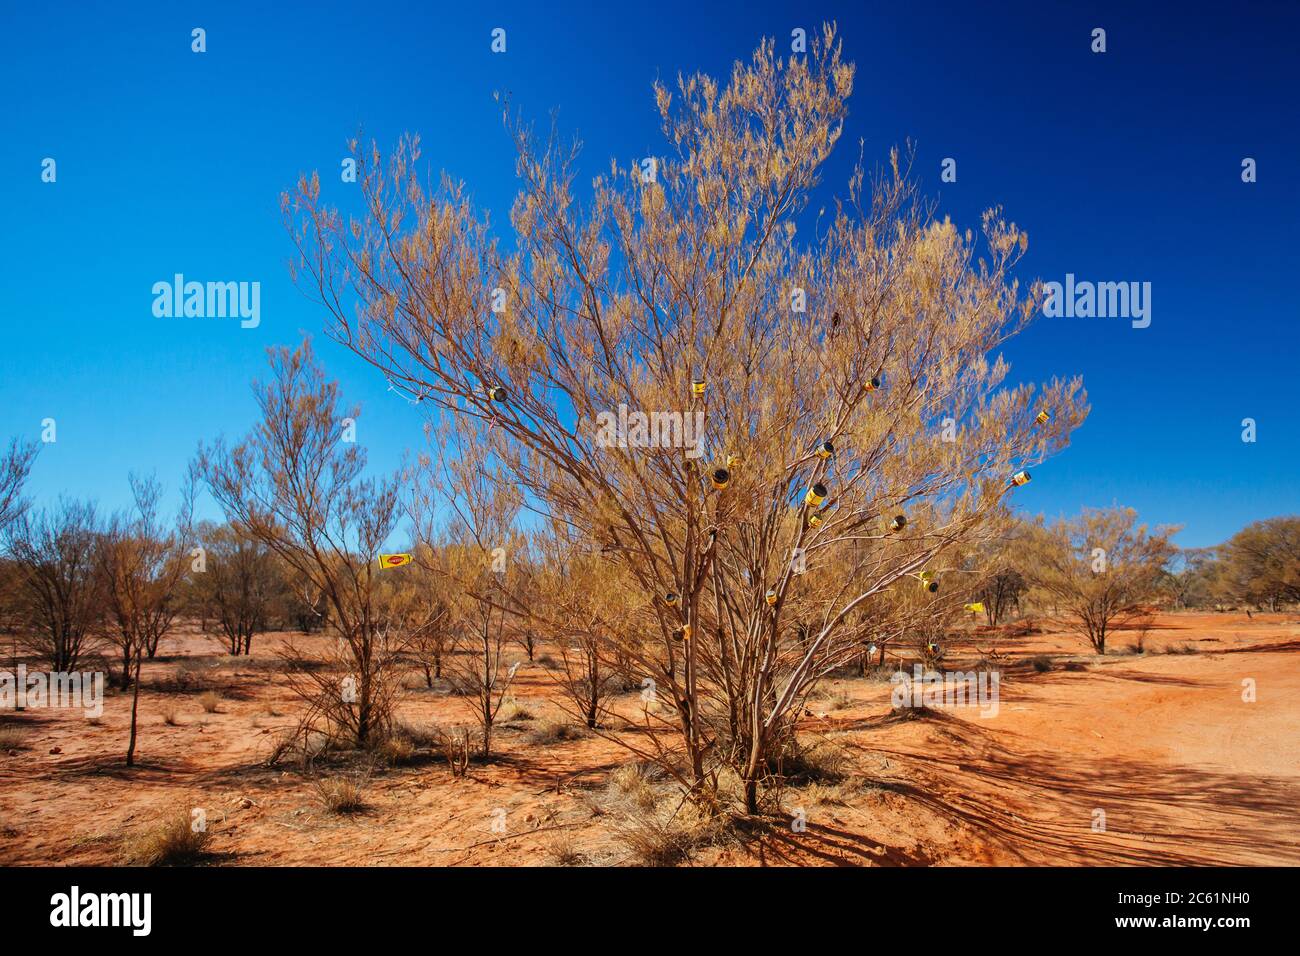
(57,599)
(1191,576)
(15,465)
(141,563)
(582,598)
(1100,568)
(296,485)
(240,584)
(1001,591)
(801,389)
(420,604)
(479,558)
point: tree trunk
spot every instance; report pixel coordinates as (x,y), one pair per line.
(135,709)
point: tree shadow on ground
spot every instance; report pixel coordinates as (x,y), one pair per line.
(1040,807)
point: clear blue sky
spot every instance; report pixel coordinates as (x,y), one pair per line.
(1122,166)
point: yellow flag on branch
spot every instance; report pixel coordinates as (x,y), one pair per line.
(395,560)
(976,608)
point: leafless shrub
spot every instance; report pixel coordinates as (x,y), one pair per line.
(242,582)
(15,465)
(56,593)
(454,746)
(296,488)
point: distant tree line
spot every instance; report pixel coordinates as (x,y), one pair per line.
(1102,571)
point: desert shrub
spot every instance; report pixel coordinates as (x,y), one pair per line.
(885,260)
(423,736)
(396,749)
(554,732)
(822,762)
(635,782)
(305,499)
(12,738)
(341,794)
(169,712)
(454,747)
(210,701)
(170,842)
(822,794)
(631,775)
(1180,649)
(514,712)
(1042,664)
(1098,600)
(192,674)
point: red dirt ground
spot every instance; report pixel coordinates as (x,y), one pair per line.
(1185,770)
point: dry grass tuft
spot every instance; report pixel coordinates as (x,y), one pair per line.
(562,851)
(665,835)
(396,750)
(635,782)
(821,762)
(341,795)
(840,700)
(170,842)
(210,701)
(555,731)
(514,712)
(427,736)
